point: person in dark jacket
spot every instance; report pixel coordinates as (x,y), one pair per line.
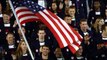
(22,52)
(42,39)
(2,30)
(45,54)
(9,46)
(95,12)
(101,44)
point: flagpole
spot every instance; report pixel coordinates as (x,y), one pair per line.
(21,30)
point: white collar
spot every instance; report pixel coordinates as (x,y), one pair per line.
(104,38)
(1,15)
(25,54)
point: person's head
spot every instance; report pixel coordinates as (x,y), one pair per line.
(66,11)
(19,31)
(98,22)
(80,51)
(68,19)
(71,11)
(45,50)
(58,53)
(41,33)
(96,4)
(106,12)
(22,46)
(54,6)
(66,2)
(6,18)
(61,5)
(0,7)
(10,38)
(104,29)
(83,24)
(101,21)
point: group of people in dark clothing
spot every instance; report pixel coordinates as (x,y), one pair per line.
(87,17)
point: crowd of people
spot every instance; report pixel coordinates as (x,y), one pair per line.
(87,17)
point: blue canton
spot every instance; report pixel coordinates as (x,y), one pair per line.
(34,7)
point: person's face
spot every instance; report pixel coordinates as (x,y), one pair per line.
(54,6)
(60,5)
(71,12)
(99,46)
(10,38)
(23,46)
(79,52)
(68,20)
(84,25)
(45,51)
(101,22)
(96,4)
(19,31)
(58,52)
(0,7)
(66,2)
(5,18)
(105,30)
(106,12)
(41,34)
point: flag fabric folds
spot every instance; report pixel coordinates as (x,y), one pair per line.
(65,35)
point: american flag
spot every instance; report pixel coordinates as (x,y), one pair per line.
(23,13)
(65,35)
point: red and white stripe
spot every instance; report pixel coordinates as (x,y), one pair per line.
(65,35)
(25,15)
(54,28)
(76,37)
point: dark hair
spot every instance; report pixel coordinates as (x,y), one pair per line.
(83,20)
(54,2)
(45,46)
(94,4)
(66,16)
(3,4)
(72,7)
(41,29)
(99,17)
